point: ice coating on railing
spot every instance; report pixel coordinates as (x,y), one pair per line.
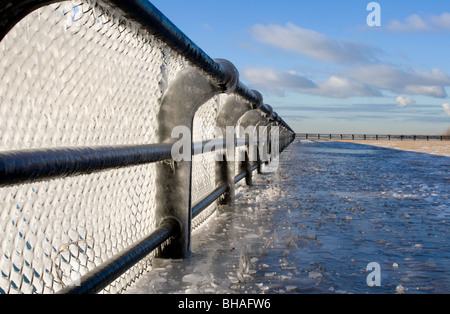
(91,77)
(231,79)
(328,212)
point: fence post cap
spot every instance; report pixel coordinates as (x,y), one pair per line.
(231,76)
(259,96)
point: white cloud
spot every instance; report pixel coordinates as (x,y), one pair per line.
(367,76)
(340,87)
(275,81)
(404,101)
(442,21)
(269,75)
(413,23)
(432,91)
(364,80)
(278,83)
(406,81)
(313,44)
(416,23)
(446,107)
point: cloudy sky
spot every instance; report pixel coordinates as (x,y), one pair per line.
(323,69)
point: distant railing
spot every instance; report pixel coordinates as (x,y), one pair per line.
(90,96)
(376,137)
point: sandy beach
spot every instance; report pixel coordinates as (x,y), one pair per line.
(429,147)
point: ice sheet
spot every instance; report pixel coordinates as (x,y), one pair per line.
(315,224)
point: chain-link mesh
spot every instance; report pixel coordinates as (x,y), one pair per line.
(203,166)
(241,150)
(77,74)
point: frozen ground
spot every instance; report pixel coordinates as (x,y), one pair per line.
(430,147)
(315,224)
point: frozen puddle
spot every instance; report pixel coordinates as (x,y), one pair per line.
(315,224)
(225,252)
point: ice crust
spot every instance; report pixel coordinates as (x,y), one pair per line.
(316,223)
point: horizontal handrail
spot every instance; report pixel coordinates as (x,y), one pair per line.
(147,15)
(19,167)
(150,18)
(208,200)
(240,177)
(27,166)
(199,147)
(96,280)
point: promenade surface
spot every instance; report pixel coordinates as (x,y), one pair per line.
(430,147)
(314,225)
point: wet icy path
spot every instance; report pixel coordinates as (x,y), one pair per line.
(315,224)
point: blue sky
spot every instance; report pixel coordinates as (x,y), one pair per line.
(323,69)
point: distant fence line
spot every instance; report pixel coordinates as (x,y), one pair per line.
(92,95)
(376,137)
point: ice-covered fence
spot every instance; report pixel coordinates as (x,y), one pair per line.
(377,137)
(89,94)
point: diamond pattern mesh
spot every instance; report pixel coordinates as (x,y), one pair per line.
(74,74)
(203,166)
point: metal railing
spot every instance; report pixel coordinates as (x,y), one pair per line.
(376,137)
(48,233)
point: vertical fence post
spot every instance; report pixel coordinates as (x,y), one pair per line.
(249,123)
(263,152)
(189,90)
(232,109)
(267,154)
(284,136)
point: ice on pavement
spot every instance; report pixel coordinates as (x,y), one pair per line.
(315,224)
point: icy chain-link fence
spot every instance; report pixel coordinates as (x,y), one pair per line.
(203,165)
(77,74)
